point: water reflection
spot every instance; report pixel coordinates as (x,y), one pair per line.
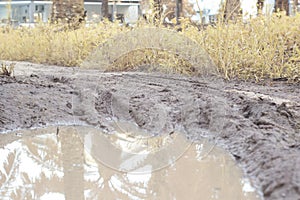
(131,149)
(66,166)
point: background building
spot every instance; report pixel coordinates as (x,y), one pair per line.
(19,11)
(128,11)
(205,11)
(25,11)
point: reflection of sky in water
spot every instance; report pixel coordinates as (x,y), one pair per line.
(52,196)
(33,167)
(21,166)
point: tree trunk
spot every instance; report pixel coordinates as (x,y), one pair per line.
(157,9)
(285,5)
(260,5)
(104,9)
(68,11)
(232,9)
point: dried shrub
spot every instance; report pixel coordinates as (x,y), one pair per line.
(263,48)
(7,70)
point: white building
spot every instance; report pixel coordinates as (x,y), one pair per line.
(208,9)
(36,11)
(127,10)
(25,11)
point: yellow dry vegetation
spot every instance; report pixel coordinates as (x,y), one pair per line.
(53,44)
(262,48)
(152,60)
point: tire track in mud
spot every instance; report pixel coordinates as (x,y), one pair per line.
(262,134)
(267,144)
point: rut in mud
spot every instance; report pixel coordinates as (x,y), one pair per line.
(258,124)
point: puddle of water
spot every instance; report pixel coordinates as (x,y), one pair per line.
(66,166)
(130,148)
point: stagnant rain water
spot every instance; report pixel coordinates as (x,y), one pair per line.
(83,163)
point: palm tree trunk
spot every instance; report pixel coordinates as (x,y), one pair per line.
(290,6)
(104,9)
(67,11)
(232,9)
(157,9)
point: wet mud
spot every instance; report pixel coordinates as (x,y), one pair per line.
(67,166)
(259,125)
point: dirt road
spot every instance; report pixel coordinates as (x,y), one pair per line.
(258,124)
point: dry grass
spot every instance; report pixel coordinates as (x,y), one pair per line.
(152,60)
(52,44)
(7,70)
(261,49)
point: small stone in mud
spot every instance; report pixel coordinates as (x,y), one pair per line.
(69,105)
(34,76)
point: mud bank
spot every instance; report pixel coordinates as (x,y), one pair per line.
(258,124)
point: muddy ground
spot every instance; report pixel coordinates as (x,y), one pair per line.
(258,124)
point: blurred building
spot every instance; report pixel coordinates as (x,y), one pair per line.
(207,10)
(125,10)
(25,11)
(128,11)
(20,11)
(290,6)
